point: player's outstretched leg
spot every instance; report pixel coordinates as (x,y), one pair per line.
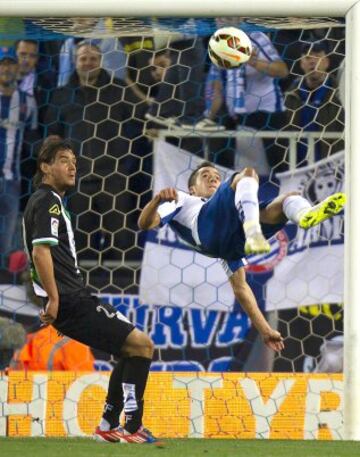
(329,207)
(297,209)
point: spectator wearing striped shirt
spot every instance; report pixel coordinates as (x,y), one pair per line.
(18,115)
(313,103)
(252,94)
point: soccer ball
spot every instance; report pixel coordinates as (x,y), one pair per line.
(229,47)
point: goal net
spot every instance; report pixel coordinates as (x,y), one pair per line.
(154,111)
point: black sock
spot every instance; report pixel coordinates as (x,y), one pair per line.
(115,399)
(135,374)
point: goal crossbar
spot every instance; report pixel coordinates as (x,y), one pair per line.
(185,8)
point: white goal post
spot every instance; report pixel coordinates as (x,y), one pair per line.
(184,8)
(350,9)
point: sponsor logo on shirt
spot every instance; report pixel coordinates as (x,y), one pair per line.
(55,209)
(54,227)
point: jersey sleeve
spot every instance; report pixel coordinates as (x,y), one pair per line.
(168,210)
(265,47)
(230,267)
(46,221)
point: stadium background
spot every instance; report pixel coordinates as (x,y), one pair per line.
(117,174)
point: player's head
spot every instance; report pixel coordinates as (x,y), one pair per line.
(56,164)
(204,180)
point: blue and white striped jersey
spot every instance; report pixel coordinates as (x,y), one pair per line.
(247,90)
(182,216)
(193,219)
(17,113)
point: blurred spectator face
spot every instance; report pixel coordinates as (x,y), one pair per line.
(160,64)
(88,63)
(27,54)
(8,72)
(315,66)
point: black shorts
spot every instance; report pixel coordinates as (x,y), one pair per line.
(84,318)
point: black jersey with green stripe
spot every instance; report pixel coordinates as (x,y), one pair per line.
(46,221)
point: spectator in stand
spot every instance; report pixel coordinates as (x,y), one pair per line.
(90,112)
(313,104)
(18,125)
(113,55)
(47,350)
(33,79)
(179,100)
(12,337)
(28,57)
(252,95)
(179,97)
(38,82)
(139,51)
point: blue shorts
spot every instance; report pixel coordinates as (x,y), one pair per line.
(220,227)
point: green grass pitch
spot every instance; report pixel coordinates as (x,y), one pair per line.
(78,447)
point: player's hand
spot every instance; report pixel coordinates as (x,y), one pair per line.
(274,340)
(167,195)
(253,59)
(49,314)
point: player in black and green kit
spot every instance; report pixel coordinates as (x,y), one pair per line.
(68,305)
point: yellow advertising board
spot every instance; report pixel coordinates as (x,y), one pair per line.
(209,405)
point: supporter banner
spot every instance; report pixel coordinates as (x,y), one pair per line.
(209,405)
(189,339)
(310,264)
(171,273)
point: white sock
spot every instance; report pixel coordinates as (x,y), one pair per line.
(104,425)
(246,200)
(294,207)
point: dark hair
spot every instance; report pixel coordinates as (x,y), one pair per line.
(34,42)
(161,52)
(193,176)
(315,46)
(89,44)
(50,147)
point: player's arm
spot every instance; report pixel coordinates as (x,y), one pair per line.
(246,298)
(217,98)
(43,262)
(268,61)
(149,217)
(44,230)
(275,69)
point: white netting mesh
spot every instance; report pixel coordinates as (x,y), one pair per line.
(137,128)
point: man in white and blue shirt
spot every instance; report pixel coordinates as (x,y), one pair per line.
(226,221)
(18,113)
(252,94)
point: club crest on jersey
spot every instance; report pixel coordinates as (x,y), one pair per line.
(55,209)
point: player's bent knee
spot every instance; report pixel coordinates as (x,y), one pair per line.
(138,344)
(285,195)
